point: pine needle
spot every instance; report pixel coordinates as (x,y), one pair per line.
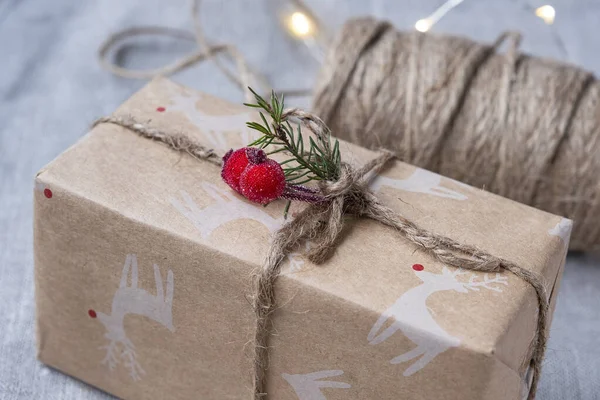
(321,162)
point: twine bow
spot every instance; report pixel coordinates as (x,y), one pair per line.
(321,223)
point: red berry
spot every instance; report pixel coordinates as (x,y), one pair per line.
(234,163)
(264,182)
(249,172)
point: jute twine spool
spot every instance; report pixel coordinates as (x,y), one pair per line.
(522,127)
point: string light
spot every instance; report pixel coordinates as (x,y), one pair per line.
(425,24)
(300,25)
(547,13)
(299,21)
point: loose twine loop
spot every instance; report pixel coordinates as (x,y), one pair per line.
(322,223)
(242,77)
(523,127)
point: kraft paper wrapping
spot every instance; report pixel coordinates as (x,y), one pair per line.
(143,258)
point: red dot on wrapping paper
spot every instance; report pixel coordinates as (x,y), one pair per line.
(161,109)
(92,313)
(48,193)
(418,267)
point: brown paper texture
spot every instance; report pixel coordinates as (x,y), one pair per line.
(143,257)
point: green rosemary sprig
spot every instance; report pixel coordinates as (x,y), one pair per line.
(320,161)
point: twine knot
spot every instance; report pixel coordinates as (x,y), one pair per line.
(345,184)
(348,195)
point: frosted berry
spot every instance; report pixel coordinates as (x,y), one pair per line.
(234,163)
(264,182)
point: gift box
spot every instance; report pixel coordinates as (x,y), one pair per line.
(143,258)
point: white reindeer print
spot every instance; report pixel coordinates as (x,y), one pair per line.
(296,259)
(562,229)
(130,299)
(421,181)
(213,127)
(308,386)
(412,316)
(227,207)
(296,262)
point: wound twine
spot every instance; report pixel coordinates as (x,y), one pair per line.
(321,224)
(522,127)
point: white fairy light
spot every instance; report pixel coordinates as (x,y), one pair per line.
(546,13)
(423,25)
(300,24)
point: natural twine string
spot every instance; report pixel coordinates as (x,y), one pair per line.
(519,126)
(243,77)
(322,223)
